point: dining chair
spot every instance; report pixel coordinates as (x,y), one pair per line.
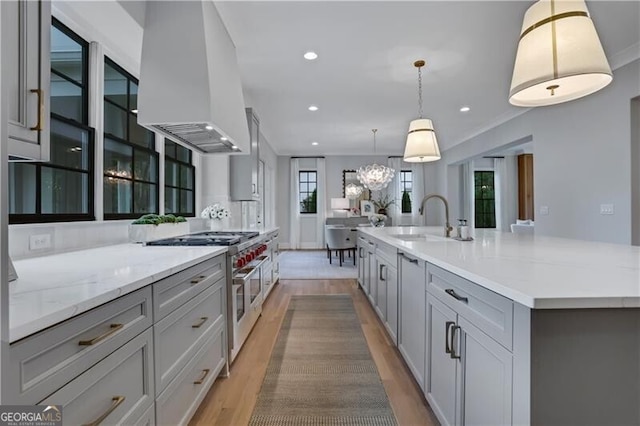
(340,239)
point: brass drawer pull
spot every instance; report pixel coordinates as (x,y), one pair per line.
(204,376)
(38,126)
(113,329)
(198,280)
(202,321)
(115,402)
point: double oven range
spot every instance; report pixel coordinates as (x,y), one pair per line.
(249,257)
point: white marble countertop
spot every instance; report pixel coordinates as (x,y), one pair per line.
(537,271)
(51,289)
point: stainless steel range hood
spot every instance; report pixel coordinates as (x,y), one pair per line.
(190,87)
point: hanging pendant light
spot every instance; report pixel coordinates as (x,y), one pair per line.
(559,56)
(422,145)
(374,176)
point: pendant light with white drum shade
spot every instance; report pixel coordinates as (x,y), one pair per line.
(422,145)
(560,57)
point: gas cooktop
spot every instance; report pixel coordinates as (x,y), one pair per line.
(224,238)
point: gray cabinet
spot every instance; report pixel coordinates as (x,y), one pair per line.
(412,324)
(486,378)
(372,287)
(440,388)
(244,167)
(26,27)
(117,390)
(382,271)
(391,319)
(386,297)
(361,262)
(469,372)
(42,363)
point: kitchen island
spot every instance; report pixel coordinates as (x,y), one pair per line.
(510,328)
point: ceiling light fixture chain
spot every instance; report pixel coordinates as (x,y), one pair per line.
(419,65)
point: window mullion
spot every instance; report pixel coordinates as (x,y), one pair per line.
(96,120)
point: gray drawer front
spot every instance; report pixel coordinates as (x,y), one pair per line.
(489,311)
(128,373)
(389,253)
(175,335)
(180,400)
(176,290)
(43,363)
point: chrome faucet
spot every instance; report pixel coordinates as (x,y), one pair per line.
(447,227)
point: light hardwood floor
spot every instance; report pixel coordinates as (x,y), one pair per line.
(231,400)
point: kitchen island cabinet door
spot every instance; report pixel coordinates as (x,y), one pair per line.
(382,269)
(442,370)
(486,378)
(372,288)
(391,319)
(361,276)
(412,315)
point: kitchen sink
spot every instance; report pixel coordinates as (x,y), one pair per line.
(418,237)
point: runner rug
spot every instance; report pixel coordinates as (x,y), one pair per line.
(321,372)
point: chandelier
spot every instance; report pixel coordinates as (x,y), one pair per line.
(353,191)
(559,56)
(374,176)
(422,145)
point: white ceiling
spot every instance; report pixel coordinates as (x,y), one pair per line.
(364,77)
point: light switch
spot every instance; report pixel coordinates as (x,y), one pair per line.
(606,208)
(544,210)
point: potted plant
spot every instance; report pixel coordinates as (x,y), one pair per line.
(216,213)
(155,227)
(383,203)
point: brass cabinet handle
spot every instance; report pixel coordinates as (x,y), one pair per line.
(199,324)
(453,338)
(204,376)
(115,402)
(40,93)
(447,325)
(112,329)
(198,280)
(451,292)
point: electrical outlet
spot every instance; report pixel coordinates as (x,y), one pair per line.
(40,242)
(544,210)
(606,208)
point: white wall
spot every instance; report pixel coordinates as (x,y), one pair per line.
(582,159)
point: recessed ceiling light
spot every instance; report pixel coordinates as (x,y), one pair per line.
(223,139)
(208,127)
(313,108)
(465,109)
(310,56)
(314,143)
(234,147)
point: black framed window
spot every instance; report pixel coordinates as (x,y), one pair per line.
(62,189)
(308,181)
(485,199)
(130,159)
(179,180)
(406,186)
